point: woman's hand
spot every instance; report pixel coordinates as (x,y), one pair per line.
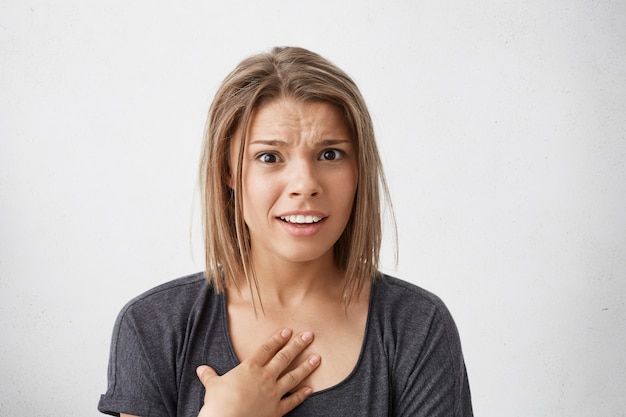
(257,386)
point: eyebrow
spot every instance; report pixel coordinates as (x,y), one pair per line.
(279,143)
(269,142)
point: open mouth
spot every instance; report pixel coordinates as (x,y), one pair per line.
(301,219)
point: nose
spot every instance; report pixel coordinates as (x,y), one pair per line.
(304,180)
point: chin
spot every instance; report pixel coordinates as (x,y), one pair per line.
(306,255)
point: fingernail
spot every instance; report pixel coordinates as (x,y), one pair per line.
(308,392)
(307,336)
(314,360)
(286,333)
(199,371)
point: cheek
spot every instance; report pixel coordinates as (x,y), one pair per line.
(352,180)
(345,196)
(257,199)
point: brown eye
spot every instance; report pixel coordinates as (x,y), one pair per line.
(268,158)
(331,155)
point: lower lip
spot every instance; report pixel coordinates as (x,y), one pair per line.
(302,230)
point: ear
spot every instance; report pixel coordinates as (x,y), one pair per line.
(229,180)
(229,177)
(231,160)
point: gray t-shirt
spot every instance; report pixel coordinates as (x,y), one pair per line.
(410,363)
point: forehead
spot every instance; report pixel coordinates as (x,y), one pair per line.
(290,119)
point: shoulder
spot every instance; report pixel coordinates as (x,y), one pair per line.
(402,297)
(174,290)
(149,345)
(420,339)
(168,302)
(412,319)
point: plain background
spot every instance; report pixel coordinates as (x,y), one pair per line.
(502,125)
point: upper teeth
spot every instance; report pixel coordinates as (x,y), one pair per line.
(301,219)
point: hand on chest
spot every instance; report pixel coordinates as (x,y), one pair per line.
(338,339)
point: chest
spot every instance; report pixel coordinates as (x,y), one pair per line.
(338,339)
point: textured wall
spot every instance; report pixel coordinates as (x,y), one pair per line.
(502,126)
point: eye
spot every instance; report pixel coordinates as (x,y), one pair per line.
(331,155)
(267,158)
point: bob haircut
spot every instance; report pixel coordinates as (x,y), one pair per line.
(300,75)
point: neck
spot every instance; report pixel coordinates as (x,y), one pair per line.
(289,284)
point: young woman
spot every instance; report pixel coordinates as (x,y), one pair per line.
(291,316)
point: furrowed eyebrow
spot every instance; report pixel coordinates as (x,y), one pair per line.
(269,142)
(331,142)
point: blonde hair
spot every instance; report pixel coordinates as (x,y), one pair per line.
(301,75)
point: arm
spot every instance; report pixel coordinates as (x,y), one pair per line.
(435,383)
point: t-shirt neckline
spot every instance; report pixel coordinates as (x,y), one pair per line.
(366,336)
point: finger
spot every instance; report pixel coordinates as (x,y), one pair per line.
(292,401)
(268,349)
(283,358)
(294,377)
(205,373)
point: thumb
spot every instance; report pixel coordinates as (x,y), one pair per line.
(205,372)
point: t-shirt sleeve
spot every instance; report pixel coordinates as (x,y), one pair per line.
(133,384)
(434,382)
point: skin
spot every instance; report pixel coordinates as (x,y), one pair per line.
(299,159)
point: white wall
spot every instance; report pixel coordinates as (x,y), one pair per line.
(502,125)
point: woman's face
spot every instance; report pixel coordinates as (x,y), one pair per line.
(299,179)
